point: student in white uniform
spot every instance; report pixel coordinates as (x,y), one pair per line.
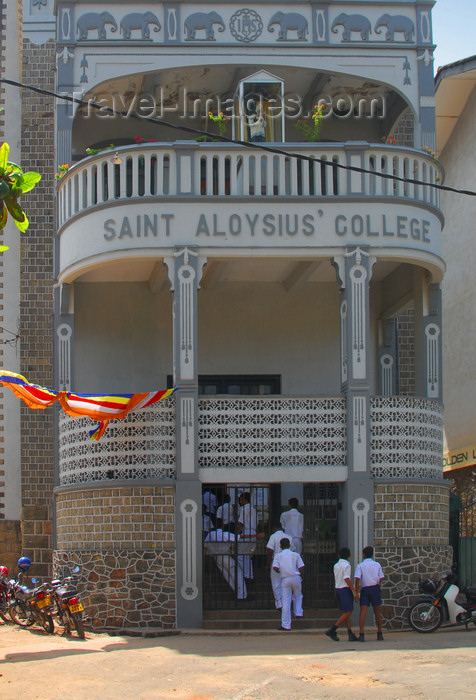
(225,515)
(368,575)
(232,572)
(272,548)
(345,594)
(292,522)
(247,523)
(289,565)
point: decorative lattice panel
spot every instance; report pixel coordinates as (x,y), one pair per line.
(406,437)
(271,432)
(142,446)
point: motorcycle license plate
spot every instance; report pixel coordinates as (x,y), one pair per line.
(44,602)
(76,608)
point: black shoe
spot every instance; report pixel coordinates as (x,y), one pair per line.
(283,629)
(332,634)
(360,638)
(352,637)
(379,636)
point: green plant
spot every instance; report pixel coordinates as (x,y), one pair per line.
(62,170)
(311,128)
(221,120)
(93,151)
(13,183)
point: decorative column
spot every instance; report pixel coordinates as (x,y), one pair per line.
(185,271)
(354,270)
(388,359)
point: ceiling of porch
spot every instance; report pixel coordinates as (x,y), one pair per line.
(221,270)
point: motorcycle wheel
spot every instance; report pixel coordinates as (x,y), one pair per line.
(78,625)
(46,621)
(21,614)
(425,617)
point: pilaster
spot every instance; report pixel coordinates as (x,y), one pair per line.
(185,269)
(354,270)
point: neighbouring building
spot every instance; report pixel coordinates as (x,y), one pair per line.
(455,114)
(290,288)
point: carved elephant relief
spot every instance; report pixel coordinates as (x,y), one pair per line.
(289,21)
(139,20)
(395,24)
(95,20)
(352,23)
(203,20)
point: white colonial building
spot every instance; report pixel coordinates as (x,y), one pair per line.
(289,288)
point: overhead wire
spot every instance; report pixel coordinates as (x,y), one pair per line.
(255,146)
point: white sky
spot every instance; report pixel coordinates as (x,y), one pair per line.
(454,30)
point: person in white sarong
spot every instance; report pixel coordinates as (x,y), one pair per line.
(231,570)
(247,524)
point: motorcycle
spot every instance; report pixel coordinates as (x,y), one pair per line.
(439,605)
(5,596)
(68,607)
(30,606)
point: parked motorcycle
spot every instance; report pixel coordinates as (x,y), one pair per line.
(439,605)
(28,606)
(68,607)
(4,593)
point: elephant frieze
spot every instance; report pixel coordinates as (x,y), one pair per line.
(139,20)
(289,21)
(352,23)
(95,20)
(205,21)
(395,24)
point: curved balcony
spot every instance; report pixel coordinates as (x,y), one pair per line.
(190,169)
(258,437)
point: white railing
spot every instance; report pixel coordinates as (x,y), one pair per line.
(212,169)
(256,432)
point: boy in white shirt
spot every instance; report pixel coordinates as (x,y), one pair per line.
(289,564)
(345,594)
(272,549)
(368,575)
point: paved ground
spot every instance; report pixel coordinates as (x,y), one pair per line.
(237,666)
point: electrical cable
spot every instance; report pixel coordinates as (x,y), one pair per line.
(225,139)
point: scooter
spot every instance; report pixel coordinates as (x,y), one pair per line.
(439,605)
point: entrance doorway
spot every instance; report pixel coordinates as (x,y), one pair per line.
(227,563)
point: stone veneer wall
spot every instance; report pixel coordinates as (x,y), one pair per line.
(36,304)
(411,535)
(123,539)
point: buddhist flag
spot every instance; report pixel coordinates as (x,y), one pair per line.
(102,408)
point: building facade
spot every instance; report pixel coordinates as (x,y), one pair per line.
(290,288)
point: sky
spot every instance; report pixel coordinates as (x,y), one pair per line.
(454,30)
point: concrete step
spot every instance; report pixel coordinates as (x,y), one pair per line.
(252,618)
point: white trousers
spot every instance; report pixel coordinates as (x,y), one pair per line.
(233,574)
(291,590)
(276,586)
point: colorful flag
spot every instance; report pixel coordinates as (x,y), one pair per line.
(102,408)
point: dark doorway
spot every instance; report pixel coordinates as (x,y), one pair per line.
(223,578)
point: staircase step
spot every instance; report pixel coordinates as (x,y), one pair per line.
(266,619)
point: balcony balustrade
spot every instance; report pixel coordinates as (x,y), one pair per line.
(226,170)
(253,433)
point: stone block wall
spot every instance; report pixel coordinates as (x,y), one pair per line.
(411,539)
(10,539)
(406,353)
(36,303)
(123,540)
